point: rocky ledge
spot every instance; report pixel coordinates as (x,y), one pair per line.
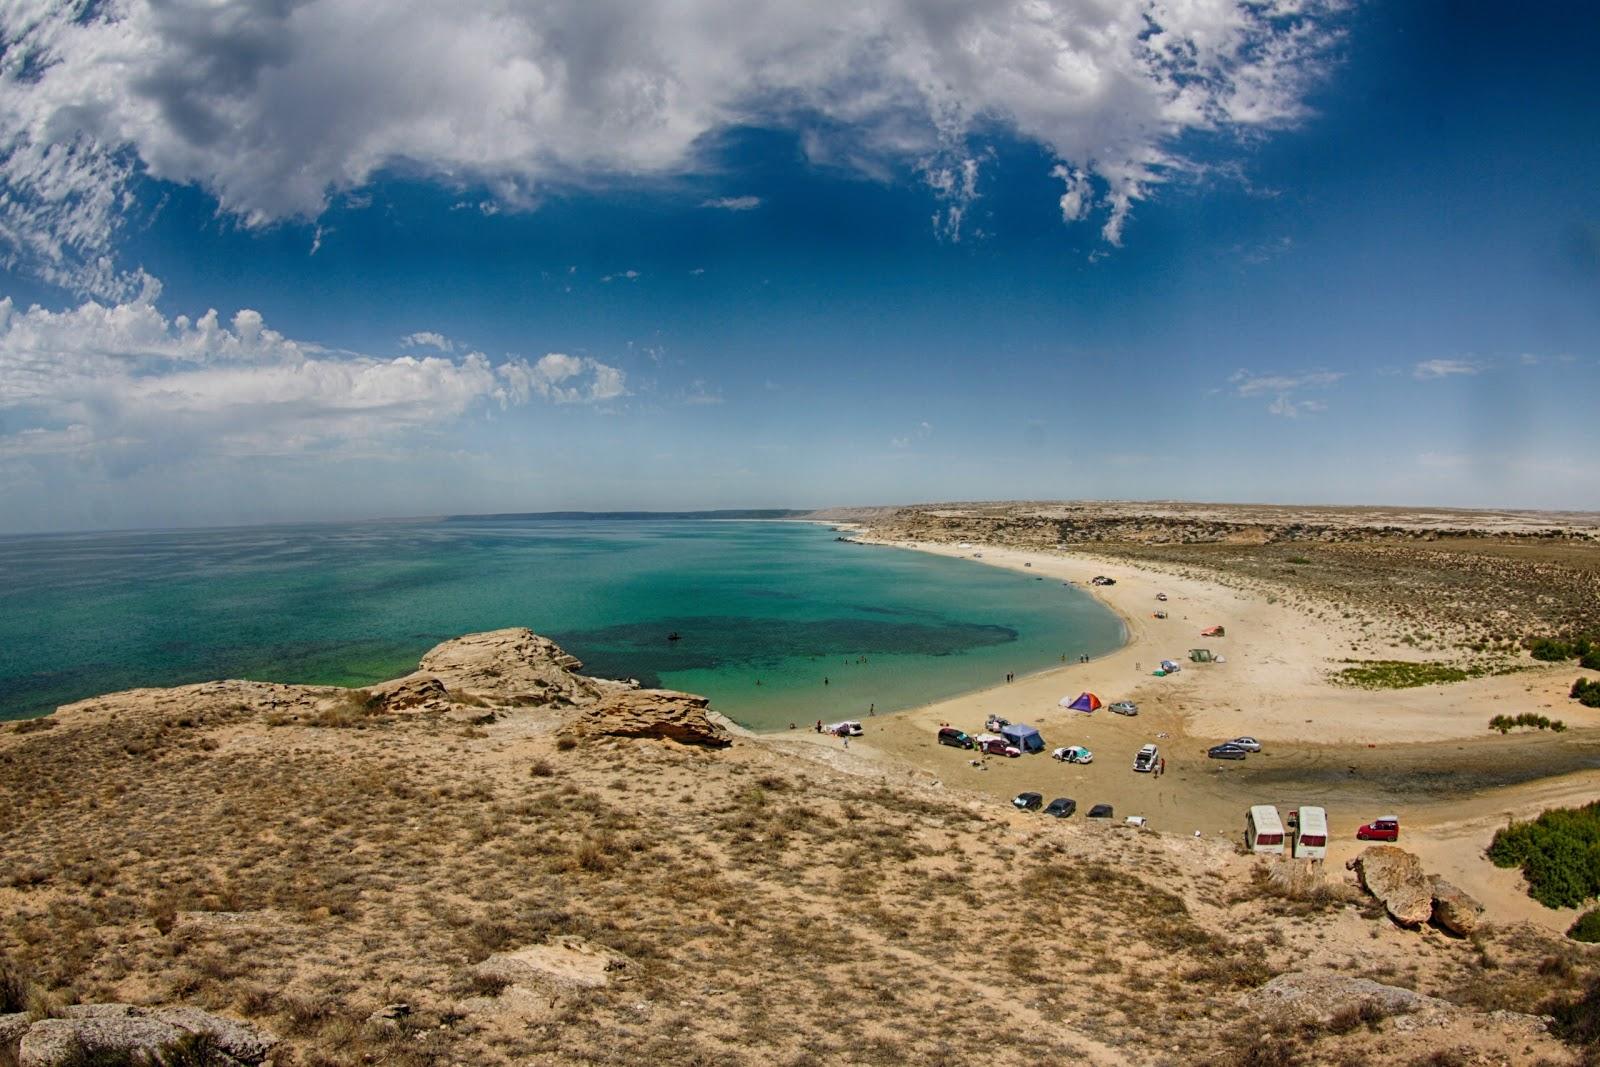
(499,672)
(95,1033)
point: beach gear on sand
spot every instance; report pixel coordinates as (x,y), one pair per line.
(1084,701)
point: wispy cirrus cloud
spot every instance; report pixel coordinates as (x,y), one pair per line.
(1282,388)
(733,203)
(278,109)
(1429,369)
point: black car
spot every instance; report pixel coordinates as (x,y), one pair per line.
(1226,751)
(1100,811)
(1061,807)
(949,735)
(1028,801)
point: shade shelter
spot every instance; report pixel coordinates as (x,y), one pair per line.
(1084,701)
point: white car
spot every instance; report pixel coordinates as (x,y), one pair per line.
(1073,754)
(1145,761)
(1249,744)
(848,728)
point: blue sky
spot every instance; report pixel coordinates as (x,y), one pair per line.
(1328,253)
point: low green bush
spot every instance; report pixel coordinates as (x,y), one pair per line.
(1587,928)
(1559,853)
(1586,693)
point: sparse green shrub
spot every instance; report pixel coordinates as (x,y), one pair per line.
(1586,693)
(1505,723)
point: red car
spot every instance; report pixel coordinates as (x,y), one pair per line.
(996,747)
(1384,828)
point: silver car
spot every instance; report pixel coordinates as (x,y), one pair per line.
(1249,744)
(1125,707)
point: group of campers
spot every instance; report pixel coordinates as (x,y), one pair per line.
(1305,838)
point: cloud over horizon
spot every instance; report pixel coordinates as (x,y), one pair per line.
(273,108)
(125,387)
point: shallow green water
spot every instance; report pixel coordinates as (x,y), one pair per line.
(779,603)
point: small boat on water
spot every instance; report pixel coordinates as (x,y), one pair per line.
(674,636)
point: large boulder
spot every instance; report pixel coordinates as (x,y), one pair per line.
(12,1027)
(144,1032)
(659,713)
(1453,909)
(1395,877)
(514,666)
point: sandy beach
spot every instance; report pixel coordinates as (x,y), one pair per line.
(1424,754)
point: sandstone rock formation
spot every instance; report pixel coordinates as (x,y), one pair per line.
(145,1032)
(563,963)
(514,666)
(1453,909)
(1317,996)
(414,692)
(1395,877)
(661,713)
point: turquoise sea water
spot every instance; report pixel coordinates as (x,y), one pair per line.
(779,603)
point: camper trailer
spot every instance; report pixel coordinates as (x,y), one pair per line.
(1310,833)
(1263,830)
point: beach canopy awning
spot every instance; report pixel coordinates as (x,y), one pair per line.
(1083,702)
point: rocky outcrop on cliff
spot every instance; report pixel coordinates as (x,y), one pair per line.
(1410,895)
(514,666)
(141,1034)
(651,713)
(1396,878)
(1453,908)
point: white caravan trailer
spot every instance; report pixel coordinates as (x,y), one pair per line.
(1263,830)
(1311,834)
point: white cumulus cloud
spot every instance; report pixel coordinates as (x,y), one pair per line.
(124,385)
(277,108)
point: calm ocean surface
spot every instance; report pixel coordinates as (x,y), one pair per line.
(351,604)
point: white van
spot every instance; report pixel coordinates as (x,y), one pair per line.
(1263,830)
(1311,834)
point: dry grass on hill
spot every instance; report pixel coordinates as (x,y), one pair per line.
(774,910)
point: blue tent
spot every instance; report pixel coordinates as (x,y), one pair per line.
(1023,736)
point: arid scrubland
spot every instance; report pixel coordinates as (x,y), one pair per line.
(354,874)
(1445,581)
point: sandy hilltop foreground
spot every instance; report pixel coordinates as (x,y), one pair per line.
(500,860)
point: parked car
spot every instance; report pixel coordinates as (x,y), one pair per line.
(1100,811)
(949,735)
(1161,596)
(1028,801)
(1125,707)
(994,724)
(1073,754)
(1383,828)
(1249,744)
(1136,821)
(1061,807)
(997,746)
(1145,761)
(847,728)
(1101,579)
(1228,750)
